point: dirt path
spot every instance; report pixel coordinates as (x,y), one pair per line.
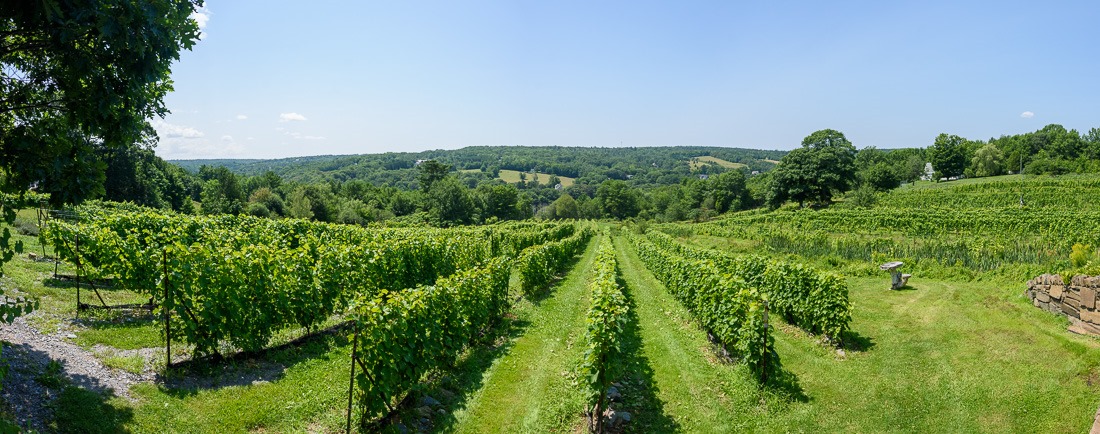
(28,352)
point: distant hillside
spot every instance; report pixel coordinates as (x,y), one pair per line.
(641,166)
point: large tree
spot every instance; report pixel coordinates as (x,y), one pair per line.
(822,167)
(948,156)
(617,199)
(80,78)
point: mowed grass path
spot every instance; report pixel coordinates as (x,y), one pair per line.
(533,388)
(693,390)
(942,357)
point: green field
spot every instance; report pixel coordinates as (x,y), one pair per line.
(512,177)
(698,162)
(959,350)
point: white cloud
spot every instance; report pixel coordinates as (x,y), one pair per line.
(201,17)
(227,138)
(172,131)
(1027,115)
(241,117)
(287,117)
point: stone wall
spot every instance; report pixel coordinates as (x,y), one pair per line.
(1076,300)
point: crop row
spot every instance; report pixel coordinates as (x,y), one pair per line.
(726,306)
(403,334)
(537,265)
(804,296)
(239,279)
(1035,192)
(606,326)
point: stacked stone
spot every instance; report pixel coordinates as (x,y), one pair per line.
(1076,300)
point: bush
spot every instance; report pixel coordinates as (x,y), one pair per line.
(864,197)
(26,227)
(1082,254)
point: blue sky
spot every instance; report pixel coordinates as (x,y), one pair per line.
(276,79)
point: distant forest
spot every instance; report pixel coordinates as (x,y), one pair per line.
(486,184)
(648,166)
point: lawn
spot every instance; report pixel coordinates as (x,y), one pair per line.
(698,162)
(941,356)
(512,177)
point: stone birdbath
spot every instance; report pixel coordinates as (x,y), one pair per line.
(897,280)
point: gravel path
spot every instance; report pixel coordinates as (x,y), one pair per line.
(28,355)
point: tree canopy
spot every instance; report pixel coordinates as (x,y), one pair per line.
(948,156)
(822,167)
(79,78)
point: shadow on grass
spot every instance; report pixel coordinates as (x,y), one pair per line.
(83,403)
(853,341)
(84,411)
(188,377)
(454,387)
(70,281)
(785,386)
(115,318)
(639,390)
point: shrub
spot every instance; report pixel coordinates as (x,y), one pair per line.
(1081,255)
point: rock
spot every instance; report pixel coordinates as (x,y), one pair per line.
(1090,316)
(615,419)
(427,400)
(1083,328)
(1072,293)
(441,411)
(1056,291)
(401,428)
(840,352)
(613,394)
(33,256)
(1088,298)
(424,411)
(447,395)
(70,336)
(1070,310)
(1042,297)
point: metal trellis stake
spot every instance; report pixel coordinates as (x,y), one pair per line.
(351,382)
(167,318)
(76,241)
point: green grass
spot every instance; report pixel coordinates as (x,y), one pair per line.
(512,177)
(533,387)
(958,182)
(944,356)
(693,390)
(698,162)
(294,389)
(133,363)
